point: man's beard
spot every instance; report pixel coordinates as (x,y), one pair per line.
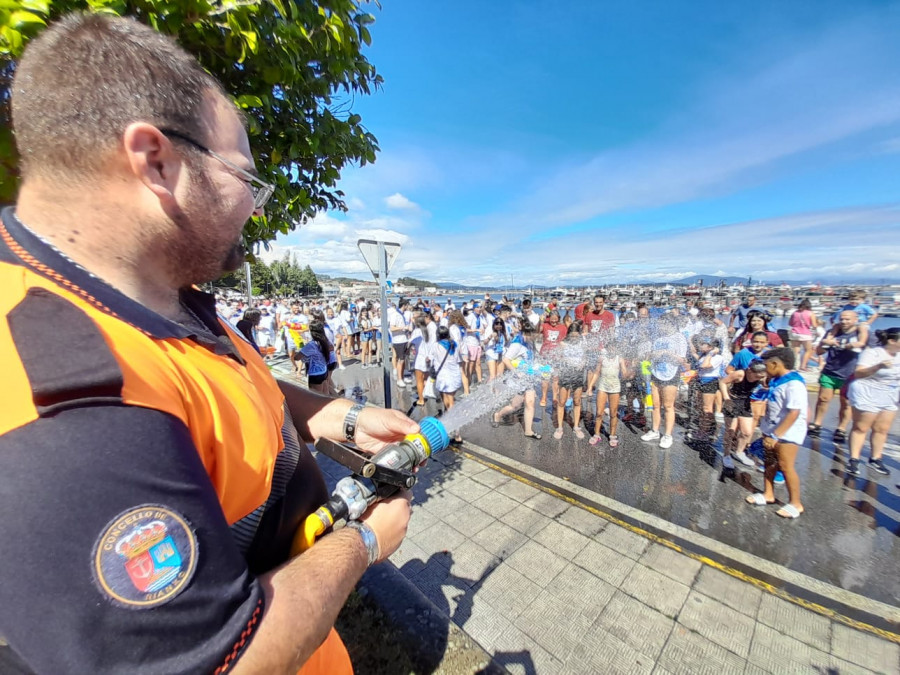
(207,262)
(234,258)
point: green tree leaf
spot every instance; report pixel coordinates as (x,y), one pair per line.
(288,65)
(249,101)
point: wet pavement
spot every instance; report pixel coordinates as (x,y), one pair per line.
(849,535)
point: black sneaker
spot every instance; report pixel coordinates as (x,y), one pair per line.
(879,466)
(813,430)
(853,467)
(839,436)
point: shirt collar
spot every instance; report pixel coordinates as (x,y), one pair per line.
(21,246)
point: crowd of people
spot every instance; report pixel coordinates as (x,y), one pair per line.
(732,369)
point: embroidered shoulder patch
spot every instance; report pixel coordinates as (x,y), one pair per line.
(145,557)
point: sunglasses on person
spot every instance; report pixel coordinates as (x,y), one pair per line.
(260,190)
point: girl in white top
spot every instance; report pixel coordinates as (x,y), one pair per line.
(444,355)
(421,341)
(497,341)
(478,325)
(265,331)
(873,398)
(784,429)
(458,328)
(343,327)
(608,378)
(571,362)
(337,337)
(667,358)
(710,367)
(367,336)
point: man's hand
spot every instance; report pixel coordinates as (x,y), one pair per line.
(388,520)
(376,427)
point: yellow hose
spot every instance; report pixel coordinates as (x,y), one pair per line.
(312,528)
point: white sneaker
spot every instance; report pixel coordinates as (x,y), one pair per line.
(727,462)
(342,367)
(720,417)
(743,459)
(651,435)
(665,442)
(401,384)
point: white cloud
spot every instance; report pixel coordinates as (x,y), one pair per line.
(382,235)
(324,225)
(400,202)
(415,266)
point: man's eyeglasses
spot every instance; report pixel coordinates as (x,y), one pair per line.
(260,190)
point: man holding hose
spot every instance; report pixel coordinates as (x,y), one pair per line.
(152,472)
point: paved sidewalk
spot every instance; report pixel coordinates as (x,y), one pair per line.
(549,587)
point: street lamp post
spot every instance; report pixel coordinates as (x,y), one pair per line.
(379,256)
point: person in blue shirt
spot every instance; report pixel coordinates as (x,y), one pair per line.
(759,343)
(856,302)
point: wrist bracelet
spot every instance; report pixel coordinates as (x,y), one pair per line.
(350,422)
(370,541)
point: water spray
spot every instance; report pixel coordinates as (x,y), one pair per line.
(375,477)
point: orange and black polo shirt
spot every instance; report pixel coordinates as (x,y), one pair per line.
(148,472)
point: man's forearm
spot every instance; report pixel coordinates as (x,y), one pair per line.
(303,598)
(314,415)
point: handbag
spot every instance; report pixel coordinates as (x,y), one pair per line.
(429,391)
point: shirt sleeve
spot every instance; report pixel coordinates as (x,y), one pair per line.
(116,554)
(796,396)
(870,357)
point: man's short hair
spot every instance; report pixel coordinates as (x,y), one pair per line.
(86,78)
(760,333)
(783,354)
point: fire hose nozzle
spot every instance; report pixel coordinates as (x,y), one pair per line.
(375,477)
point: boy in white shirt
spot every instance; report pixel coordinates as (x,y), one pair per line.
(784,429)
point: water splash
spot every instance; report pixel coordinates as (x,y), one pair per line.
(632,341)
(482,400)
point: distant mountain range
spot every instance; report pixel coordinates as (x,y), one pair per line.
(707,279)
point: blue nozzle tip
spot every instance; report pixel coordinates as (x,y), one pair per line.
(435,433)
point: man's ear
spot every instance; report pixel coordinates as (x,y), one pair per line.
(152,158)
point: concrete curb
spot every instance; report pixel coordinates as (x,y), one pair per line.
(849,608)
(424,630)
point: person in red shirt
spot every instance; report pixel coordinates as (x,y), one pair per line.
(581,309)
(756,322)
(599,319)
(553,332)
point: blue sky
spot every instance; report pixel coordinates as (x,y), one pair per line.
(596,142)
